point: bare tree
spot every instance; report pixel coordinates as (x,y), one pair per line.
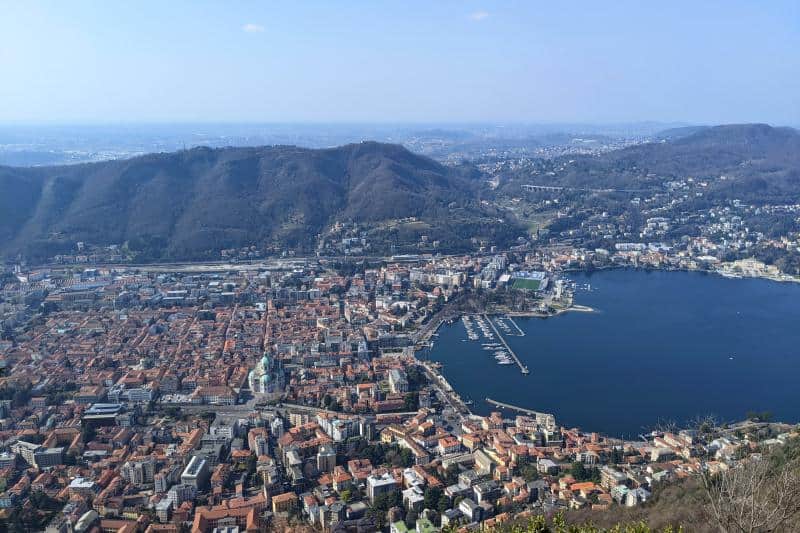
(666,426)
(755,495)
(704,424)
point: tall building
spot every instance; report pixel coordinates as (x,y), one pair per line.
(398,381)
(196,473)
(261,446)
(378,485)
(326,458)
(181,493)
(139,471)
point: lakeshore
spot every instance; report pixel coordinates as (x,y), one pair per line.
(623,370)
(726,270)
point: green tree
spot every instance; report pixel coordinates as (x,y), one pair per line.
(431,497)
(581,473)
(759,416)
(381,506)
(411,518)
(616,455)
(529,472)
(443,504)
(252,463)
(451,474)
(411,401)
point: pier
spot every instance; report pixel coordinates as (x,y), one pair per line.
(513,323)
(546,419)
(522,368)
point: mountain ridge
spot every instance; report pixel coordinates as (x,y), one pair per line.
(736,159)
(193,202)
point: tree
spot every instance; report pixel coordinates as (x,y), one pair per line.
(443,504)
(88,433)
(381,506)
(762,416)
(754,495)
(411,401)
(415,376)
(581,473)
(529,472)
(252,463)
(616,455)
(411,518)
(431,497)
(451,474)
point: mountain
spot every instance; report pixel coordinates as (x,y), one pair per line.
(678,133)
(191,204)
(738,160)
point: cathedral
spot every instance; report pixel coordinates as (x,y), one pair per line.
(265,378)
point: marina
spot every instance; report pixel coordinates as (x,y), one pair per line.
(504,321)
(621,371)
(522,368)
(502,352)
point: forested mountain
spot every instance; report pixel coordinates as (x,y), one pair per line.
(191,204)
(740,160)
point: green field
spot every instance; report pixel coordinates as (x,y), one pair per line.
(526,284)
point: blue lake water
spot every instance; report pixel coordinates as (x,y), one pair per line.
(661,346)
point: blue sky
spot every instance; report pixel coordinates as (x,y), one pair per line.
(401,61)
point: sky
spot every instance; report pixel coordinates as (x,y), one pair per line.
(400,61)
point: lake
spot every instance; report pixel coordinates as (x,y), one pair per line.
(661,346)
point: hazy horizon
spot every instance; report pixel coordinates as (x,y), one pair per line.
(412,63)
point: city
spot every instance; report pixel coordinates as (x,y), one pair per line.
(291,393)
(399,267)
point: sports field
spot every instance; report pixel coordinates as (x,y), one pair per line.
(526,284)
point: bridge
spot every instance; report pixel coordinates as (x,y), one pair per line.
(550,188)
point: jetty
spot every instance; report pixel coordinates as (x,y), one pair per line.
(513,323)
(546,419)
(522,368)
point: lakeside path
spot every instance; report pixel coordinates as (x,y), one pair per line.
(538,314)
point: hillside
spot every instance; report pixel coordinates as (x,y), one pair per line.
(756,160)
(191,204)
